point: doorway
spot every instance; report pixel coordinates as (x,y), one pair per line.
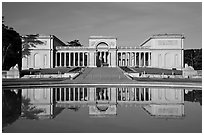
(102,59)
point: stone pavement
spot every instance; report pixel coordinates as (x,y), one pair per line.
(102,75)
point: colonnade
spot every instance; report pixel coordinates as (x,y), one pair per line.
(134,59)
(69,59)
(133,94)
(70,94)
(101,94)
(64,59)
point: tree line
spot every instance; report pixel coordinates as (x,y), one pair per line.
(193,57)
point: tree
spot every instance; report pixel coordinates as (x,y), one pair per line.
(74,43)
(28,110)
(11,106)
(193,57)
(11,47)
(29,41)
(14,46)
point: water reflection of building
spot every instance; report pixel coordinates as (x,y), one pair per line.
(41,102)
(165,102)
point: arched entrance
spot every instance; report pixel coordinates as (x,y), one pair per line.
(102,55)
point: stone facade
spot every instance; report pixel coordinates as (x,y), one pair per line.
(161,51)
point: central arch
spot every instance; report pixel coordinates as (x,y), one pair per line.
(102,55)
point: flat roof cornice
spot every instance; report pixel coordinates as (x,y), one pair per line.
(102,37)
(163,36)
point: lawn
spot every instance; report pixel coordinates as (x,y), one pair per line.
(157,71)
(58,70)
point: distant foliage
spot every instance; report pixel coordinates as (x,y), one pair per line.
(74,43)
(193,57)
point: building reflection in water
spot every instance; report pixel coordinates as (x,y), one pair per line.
(102,102)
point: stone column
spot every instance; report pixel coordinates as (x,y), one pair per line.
(109,59)
(113,58)
(129,63)
(119,54)
(124,59)
(74,59)
(101,57)
(139,59)
(131,55)
(69,59)
(144,95)
(74,94)
(121,58)
(78,94)
(65,59)
(78,59)
(88,58)
(91,94)
(83,58)
(118,59)
(56,59)
(60,63)
(144,59)
(135,60)
(103,53)
(140,94)
(149,94)
(127,58)
(149,59)
(113,95)
(105,57)
(65,94)
(95,58)
(130,59)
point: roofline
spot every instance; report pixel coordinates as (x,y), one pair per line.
(160,36)
(145,41)
(102,37)
(54,37)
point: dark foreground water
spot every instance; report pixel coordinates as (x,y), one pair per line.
(102,109)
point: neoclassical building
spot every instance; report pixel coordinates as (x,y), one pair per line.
(160,51)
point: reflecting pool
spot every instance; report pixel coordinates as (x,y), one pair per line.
(102,110)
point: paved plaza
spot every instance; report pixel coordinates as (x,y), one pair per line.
(102,75)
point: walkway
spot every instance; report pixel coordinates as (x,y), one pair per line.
(102,75)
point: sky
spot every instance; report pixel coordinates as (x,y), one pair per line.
(131,23)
